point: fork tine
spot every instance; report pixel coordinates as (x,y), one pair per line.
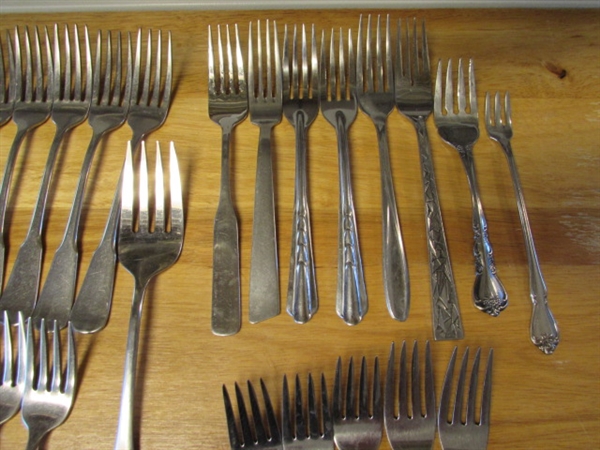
(286,422)
(212,87)
(168,85)
(388,66)
(301,433)
(403,385)
(507,110)
(234,441)
(313,418)
(158,68)
(429,383)
(414,56)
(498,111)
(28,68)
(285,57)
(69,387)
(146,85)
(241,78)
(487,111)
(119,68)
(447,388)
(425,52)
(97,66)
(56,69)
(251,60)
(449,98)
(244,421)
(470,417)
(460,388)
(56,366)
(350,398)
(7,372)
(126,221)
(359,58)
(43,368)
(230,75)
(2,75)
(305,72)
(472,89)
(159,193)
(337,390)
(274,432)
(389,398)
(144,219)
(177,219)
(363,405)
(379,56)
(18,78)
(460,88)
(486,398)
(135,85)
(416,383)
(259,429)
(437,97)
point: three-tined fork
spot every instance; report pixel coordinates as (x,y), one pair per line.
(12,384)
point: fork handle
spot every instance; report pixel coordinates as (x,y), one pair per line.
(543,329)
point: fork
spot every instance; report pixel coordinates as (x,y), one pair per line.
(301,107)
(311,428)
(414,99)
(145,253)
(339,107)
(265,104)
(468,435)
(31,108)
(107,112)
(375,93)
(148,109)
(543,329)
(46,406)
(461,131)
(7,88)
(227,106)
(71,96)
(409,430)
(357,421)
(253,435)
(13,375)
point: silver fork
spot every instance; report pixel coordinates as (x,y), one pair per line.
(13,374)
(339,107)
(409,430)
(307,427)
(7,88)
(301,107)
(544,329)
(227,106)
(148,109)
(108,110)
(145,253)
(375,93)
(265,102)
(32,107)
(257,435)
(357,420)
(414,99)
(71,96)
(469,435)
(47,405)
(461,131)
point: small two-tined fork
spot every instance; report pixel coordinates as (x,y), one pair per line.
(375,93)
(7,84)
(265,102)
(544,329)
(13,369)
(414,99)
(339,107)
(357,420)
(470,435)
(253,433)
(461,130)
(301,107)
(145,253)
(307,427)
(227,106)
(409,429)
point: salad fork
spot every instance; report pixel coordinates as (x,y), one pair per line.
(71,96)
(227,106)
(145,253)
(265,102)
(414,99)
(543,329)
(7,88)
(461,131)
(339,107)
(13,374)
(301,107)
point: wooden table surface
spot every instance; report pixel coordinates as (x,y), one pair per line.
(549,60)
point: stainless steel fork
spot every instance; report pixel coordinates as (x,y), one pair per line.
(301,107)
(108,111)
(461,131)
(357,420)
(149,104)
(258,434)
(265,102)
(414,99)
(339,106)
(543,329)
(7,84)
(145,253)
(71,96)
(468,435)
(375,93)
(13,374)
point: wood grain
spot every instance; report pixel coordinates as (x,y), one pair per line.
(550,62)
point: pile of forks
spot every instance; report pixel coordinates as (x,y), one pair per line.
(358,415)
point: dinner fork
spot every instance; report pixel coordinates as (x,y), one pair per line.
(469,435)
(414,99)
(227,106)
(461,131)
(32,107)
(148,109)
(257,435)
(338,105)
(310,427)
(357,420)
(7,84)
(543,329)
(13,374)
(301,107)
(71,96)
(409,429)
(107,112)
(145,253)
(47,405)
(265,102)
